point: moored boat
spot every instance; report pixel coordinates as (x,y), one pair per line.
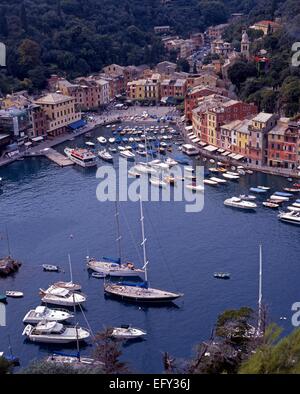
(14,294)
(58,296)
(54,332)
(222,275)
(270,205)
(106,156)
(290,217)
(82,157)
(41,313)
(127,332)
(236,202)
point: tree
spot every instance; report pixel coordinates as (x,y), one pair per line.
(23,17)
(108,352)
(29,53)
(275,356)
(5,366)
(3,22)
(42,367)
(183,65)
(240,71)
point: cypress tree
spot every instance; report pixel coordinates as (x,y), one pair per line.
(23,17)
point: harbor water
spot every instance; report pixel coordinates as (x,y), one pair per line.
(52,211)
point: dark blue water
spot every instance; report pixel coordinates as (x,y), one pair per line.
(43,204)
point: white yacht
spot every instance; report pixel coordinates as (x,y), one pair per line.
(171,162)
(195,188)
(41,313)
(230,176)
(236,202)
(59,296)
(219,180)
(157,182)
(127,154)
(210,182)
(53,332)
(290,217)
(82,157)
(102,140)
(106,156)
(68,285)
(113,269)
(127,332)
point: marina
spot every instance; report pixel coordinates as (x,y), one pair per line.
(68,205)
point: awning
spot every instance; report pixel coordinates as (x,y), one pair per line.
(238,157)
(28,143)
(76,125)
(221,150)
(226,153)
(232,155)
(201,143)
(195,139)
(211,148)
(191,134)
(188,128)
(37,139)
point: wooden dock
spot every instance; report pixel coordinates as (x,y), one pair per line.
(58,158)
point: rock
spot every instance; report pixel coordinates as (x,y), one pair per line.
(8,265)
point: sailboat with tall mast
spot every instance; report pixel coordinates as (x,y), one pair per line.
(69,285)
(114,267)
(140,292)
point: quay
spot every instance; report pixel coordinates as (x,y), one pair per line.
(58,158)
(230,161)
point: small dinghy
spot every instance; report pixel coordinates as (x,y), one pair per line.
(50,268)
(127,332)
(257,190)
(157,182)
(195,188)
(112,140)
(272,205)
(263,187)
(210,182)
(219,180)
(89,143)
(98,275)
(14,294)
(291,190)
(231,177)
(221,275)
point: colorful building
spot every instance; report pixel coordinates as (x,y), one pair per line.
(60,111)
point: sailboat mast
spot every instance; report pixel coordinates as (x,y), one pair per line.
(70,267)
(7,240)
(144,240)
(119,238)
(260,292)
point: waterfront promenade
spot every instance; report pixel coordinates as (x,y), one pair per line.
(284,172)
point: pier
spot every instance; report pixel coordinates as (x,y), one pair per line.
(58,158)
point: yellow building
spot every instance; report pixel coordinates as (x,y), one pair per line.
(144,89)
(60,111)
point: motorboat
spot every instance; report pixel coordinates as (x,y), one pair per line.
(98,275)
(214,170)
(230,177)
(102,140)
(171,162)
(195,188)
(155,181)
(257,190)
(247,197)
(144,169)
(218,180)
(221,275)
(279,198)
(210,182)
(58,296)
(264,188)
(89,143)
(134,173)
(68,285)
(54,332)
(50,268)
(270,205)
(113,268)
(112,150)
(283,194)
(291,190)
(290,217)
(296,204)
(112,140)
(106,156)
(14,294)
(127,155)
(189,168)
(232,173)
(82,157)
(127,332)
(41,313)
(293,209)
(236,202)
